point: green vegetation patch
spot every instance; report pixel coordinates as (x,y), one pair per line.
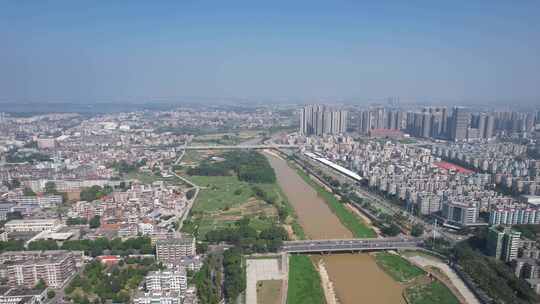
(219,192)
(235,274)
(304,282)
(208,280)
(103,283)
(397,267)
(148,178)
(434,292)
(224,200)
(249,166)
(493,276)
(350,220)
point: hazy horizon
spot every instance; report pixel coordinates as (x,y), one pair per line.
(306,51)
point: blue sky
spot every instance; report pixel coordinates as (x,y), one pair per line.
(458,51)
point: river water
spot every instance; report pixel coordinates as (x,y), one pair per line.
(356,277)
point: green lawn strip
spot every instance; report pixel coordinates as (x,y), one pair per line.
(397,267)
(434,292)
(355,224)
(304,282)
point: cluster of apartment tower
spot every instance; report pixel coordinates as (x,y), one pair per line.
(322,120)
(430,122)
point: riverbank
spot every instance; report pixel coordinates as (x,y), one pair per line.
(348,218)
(304,282)
(356,278)
(421,285)
(327,284)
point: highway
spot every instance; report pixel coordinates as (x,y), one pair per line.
(347,245)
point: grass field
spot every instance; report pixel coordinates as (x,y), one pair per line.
(148,178)
(434,292)
(269,292)
(220,192)
(350,220)
(397,267)
(191,157)
(304,282)
(223,200)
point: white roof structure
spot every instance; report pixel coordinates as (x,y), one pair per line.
(334,166)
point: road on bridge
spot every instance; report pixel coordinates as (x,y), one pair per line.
(350,245)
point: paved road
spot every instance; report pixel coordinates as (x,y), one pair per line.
(351,245)
(451,274)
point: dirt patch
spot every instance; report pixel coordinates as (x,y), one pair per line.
(269,292)
(327,285)
(290,232)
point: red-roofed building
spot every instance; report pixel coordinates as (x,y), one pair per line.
(109,259)
(453,167)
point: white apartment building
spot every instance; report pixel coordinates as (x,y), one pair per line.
(167,281)
(34,225)
(158,298)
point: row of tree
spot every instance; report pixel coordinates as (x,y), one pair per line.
(249,240)
(208,280)
(138,245)
(234,273)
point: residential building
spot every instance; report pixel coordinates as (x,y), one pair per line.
(33,225)
(511,244)
(495,242)
(11,295)
(171,280)
(171,251)
(158,298)
(460,124)
(460,213)
(320,120)
(54,271)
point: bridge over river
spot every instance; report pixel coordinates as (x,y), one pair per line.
(348,245)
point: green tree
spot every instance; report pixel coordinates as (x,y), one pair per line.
(50,188)
(95,222)
(28,192)
(40,245)
(51,294)
(41,285)
(417,230)
(235,280)
(76,221)
(391,230)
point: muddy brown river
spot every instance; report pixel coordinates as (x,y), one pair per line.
(356,277)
